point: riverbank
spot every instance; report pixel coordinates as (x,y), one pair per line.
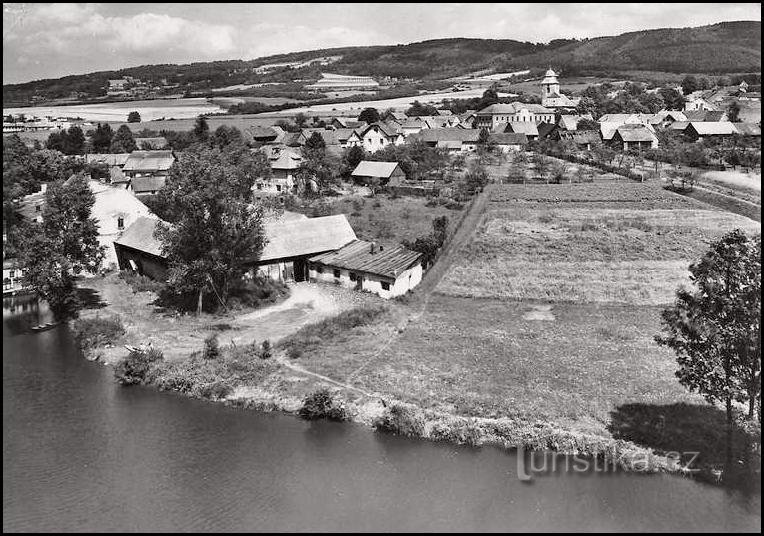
(240,377)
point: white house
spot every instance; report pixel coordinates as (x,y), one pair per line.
(379,135)
(366,266)
(115,209)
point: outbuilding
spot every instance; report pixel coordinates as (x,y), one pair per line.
(367,172)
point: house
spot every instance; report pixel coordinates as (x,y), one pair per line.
(508,141)
(291,244)
(148,164)
(142,185)
(569,122)
(521,127)
(273,134)
(348,137)
(609,123)
(584,139)
(379,135)
(438,121)
(697,130)
(393,115)
(368,172)
(634,136)
(412,126)
(450,139)
(366,266)
(114,210)
(138,250)
(698,104)
(284,165)
(491,116)
(13,277)
(706,115)
(664,118)
(151,144)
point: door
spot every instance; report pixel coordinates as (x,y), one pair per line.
(300,269)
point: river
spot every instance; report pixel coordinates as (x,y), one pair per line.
(81,453)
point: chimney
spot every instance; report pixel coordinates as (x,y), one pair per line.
(373,248)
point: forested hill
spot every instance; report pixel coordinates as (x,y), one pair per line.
(729,47)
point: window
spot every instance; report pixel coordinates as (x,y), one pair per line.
(352,276)
(120,223)
(385,285)
(13,274)
(336,273)
(278,187)
(37,208)
(319,270)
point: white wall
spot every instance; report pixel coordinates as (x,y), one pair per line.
(110,205)
(406,281)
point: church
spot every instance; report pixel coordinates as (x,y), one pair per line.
(551,96)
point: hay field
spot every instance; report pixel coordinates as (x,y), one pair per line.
(554,242)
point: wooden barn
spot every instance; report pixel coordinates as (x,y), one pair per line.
(139,251)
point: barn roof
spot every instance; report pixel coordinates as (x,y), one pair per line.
(299,238)
(149,161)
(140,236)
(357,255)
(287,160)
(367,168)
(142,185)
(713,128)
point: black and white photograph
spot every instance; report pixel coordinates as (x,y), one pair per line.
(381,267)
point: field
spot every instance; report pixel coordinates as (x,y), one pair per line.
(382,218)
(548,316)
(117,111)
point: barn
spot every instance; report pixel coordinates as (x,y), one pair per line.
(139,251)
(367,172)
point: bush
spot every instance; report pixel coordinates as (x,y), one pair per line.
(322,404)
(256,292)
(91,333)
(265,350)
(211,347)
(402,420)
(457,430)
(140,283)
(134,368)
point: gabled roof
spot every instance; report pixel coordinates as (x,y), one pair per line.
(117,159)
(528,128)
(713,128)
(344,134)
(140,236)
(635,133)
(287,160)
(367,168)
(357,255)
(149,161)
(508,138)
(384,128)
(298,238)
(679,125)
(434,135)
(292,139)
(569,122)
(147,184)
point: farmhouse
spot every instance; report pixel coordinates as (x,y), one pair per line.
(366,266)
(284,164)
(530,130)
(379,135)
(114,210)
(148,164)
(631,136)
(368,172)
(697,130)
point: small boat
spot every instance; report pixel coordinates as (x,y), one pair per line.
(45,327)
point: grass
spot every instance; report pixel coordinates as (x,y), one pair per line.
(93,333)
(386,219)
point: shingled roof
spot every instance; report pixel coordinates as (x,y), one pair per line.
(358,256)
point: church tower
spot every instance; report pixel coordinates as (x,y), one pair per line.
(550,87)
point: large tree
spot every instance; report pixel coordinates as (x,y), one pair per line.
(62,246)
(215,230)
(69,142)
(123,141)
(133,117)
(318,170)
(369,115)
(101,137)
(715,327)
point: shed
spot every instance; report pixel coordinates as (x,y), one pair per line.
(386,172)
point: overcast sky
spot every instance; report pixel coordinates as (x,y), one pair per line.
(53,40)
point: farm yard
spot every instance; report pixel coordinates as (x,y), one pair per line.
(548,316)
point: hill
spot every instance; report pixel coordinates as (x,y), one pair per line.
(729,47)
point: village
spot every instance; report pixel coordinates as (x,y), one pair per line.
(397,242)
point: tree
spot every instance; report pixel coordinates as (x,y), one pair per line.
(201,129)
(215,231)
(352,157)
(418,109)
(101,138)
(489,97)
(317,169)
(225,135)
(300,119)
(733,112)
(123,141)
(133,117)
(369,115)
(587,124)
(672,99)
(715,328)
(62,246)
(689,84)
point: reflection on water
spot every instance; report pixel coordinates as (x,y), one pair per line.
(81,453)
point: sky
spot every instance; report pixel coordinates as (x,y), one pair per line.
(54,40)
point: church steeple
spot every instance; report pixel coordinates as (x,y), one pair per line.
(550,86)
